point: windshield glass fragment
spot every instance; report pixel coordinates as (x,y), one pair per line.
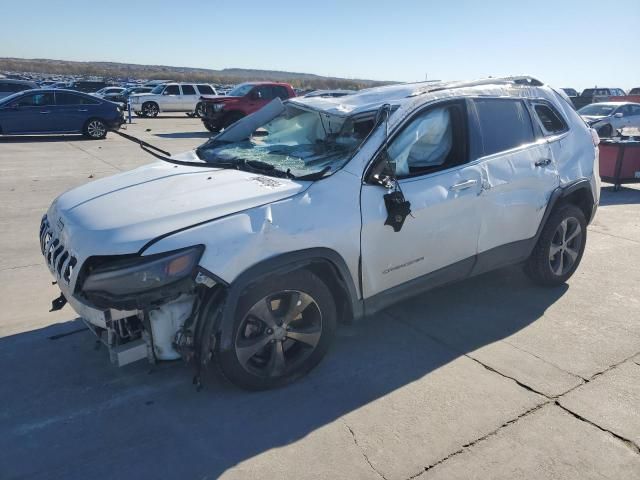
(297,141)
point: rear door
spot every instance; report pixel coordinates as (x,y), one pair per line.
(31,113)
(519,174)
(74,110)
(190,98)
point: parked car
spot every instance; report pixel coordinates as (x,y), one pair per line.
(220,112)
(9,87)
(634,91)
(103,92)
(58,111)
(249,249)
(123,96)
(170,97)
(594,95)
(571,92)
(608,118)
(87,86)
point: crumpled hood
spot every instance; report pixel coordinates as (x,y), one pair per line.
(121,213)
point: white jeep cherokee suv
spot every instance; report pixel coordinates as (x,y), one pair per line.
(246,251)
(170,97)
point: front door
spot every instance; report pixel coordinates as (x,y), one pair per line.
(31,113)
(438,240)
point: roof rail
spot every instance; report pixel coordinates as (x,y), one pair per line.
(522,80)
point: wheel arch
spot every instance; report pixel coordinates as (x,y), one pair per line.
(326,263)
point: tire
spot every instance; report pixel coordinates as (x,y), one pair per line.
(275,340)
(150,109)
(211,127)
(605,131)
(560,247)
(95,129)
(199,110)
(231,118)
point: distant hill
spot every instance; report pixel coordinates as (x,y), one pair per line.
(112,70)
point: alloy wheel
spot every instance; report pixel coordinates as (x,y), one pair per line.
(565,246)
(96,129)
(150,110)
(278,333)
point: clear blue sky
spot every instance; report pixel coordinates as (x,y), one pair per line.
(565,43)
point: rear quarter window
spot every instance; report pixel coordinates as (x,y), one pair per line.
(550,120)
(504,124)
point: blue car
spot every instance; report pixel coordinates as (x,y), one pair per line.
(58,111)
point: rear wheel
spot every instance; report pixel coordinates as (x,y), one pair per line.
(95,129)
(150,109)
(560,247)
(283,328)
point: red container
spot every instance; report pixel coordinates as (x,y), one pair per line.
(620,161)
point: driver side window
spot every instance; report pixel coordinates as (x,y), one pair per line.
(432,141)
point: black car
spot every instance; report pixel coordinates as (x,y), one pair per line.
(58,111)
(88,86)
(123,96)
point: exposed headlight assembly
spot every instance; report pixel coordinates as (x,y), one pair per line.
(141,274)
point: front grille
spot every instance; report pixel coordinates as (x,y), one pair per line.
(59,260)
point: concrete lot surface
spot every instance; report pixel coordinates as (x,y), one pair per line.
(490,378)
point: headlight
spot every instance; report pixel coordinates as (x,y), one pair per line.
(217,107)
(140,274)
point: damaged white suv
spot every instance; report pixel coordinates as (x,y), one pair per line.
(246,252)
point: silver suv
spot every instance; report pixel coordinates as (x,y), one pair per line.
(171,97)
(248,250)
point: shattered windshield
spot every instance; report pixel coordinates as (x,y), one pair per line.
(296,142)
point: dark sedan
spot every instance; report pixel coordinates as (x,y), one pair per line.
(58,111)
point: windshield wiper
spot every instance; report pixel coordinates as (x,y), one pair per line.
(315,175)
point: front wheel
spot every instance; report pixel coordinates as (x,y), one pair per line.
(283,328)
(95,129)
(560,247)
(199,111)
(211,127)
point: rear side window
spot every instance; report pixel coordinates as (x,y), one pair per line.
(280,92)
(64,98)
(264,92)
(551,121)
(504,124)
(188,90)
(205,90)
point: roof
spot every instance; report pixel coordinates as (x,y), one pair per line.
(405,93)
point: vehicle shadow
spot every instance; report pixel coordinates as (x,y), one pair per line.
(624,196)
(69,414)
(40,138)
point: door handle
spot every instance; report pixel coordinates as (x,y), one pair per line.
(543,162)
(463,185)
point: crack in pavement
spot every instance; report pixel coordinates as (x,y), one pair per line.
(4,269)
(629,443)
(93,155)
(480,439)
(355,440)
(544,360)
(612,235)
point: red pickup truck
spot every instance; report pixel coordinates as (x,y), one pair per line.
(219,112)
